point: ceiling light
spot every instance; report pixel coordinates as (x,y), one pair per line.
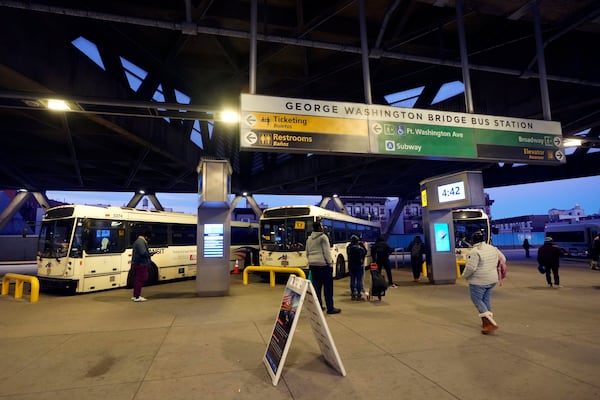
(572,142)
(58,105)
(229,116)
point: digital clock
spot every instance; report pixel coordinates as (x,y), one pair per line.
(451,192)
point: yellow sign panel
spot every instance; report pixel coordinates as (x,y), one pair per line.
(301,225)
(424,198)
(304,123)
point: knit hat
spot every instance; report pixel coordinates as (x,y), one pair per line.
(547,239)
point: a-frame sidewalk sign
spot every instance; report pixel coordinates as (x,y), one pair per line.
(299,293)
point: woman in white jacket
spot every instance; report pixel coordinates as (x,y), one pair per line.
(318,251)
(481,272)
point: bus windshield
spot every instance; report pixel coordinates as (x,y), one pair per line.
(285,233)
(55,237)
(466,223)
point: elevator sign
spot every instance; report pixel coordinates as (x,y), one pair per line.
(310,126)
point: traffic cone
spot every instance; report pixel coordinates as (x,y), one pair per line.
(236,269)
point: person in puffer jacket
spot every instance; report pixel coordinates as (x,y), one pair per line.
(318,251)
(481,271)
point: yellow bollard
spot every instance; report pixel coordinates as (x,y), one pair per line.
(271,271)
(19,281)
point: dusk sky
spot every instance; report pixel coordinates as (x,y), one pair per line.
(509,201)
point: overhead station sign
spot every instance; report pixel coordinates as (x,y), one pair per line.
(294,125)
(285,124)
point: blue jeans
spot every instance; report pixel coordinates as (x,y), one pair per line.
(481,296)
(356,280)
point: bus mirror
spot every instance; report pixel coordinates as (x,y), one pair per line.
(495,230)
(24,232)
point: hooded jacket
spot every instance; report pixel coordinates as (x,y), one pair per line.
(318,249)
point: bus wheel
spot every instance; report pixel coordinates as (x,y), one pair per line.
(340,268)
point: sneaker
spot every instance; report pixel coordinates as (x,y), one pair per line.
(393,286)
(557,286)
(139,298)
(550,285)
(334,311)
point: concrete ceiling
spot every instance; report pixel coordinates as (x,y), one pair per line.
(120,139)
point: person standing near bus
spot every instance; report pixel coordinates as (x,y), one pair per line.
(595,252)
(380,253)
(356,253)
(416,248)
(549,256)
(526,247)
(481,271)
(318,251)
(140,264)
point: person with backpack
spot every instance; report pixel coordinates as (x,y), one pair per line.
(416,249)
(356,253)
(380,253)
(481,271)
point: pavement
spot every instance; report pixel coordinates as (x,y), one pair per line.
(422,341)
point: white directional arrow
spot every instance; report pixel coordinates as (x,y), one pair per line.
(250,120)
(251,137)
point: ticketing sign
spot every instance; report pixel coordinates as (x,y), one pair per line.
(294,125)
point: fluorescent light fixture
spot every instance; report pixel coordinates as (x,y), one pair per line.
(58,105)
(572,142)
(229,116)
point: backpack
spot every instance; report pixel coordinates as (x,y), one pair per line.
(416,250)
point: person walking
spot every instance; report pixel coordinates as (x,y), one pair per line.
(526,247)
(380,253)
(356,253)
(482,275)
(416,249)
(595,252)
(548,255)
(320,263)
(140,264)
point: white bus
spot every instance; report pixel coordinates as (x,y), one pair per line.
(466,222)
(574,239)
(284,230)
(88,248)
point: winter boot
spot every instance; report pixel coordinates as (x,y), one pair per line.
(488,324)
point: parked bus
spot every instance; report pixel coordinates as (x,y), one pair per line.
(88,248)
(574,239)
(284,230)
(466,222)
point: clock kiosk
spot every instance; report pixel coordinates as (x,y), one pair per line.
(439,196)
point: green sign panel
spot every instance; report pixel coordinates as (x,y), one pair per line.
(284,124)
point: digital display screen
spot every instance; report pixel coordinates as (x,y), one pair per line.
(451,192)
(213,240)
(442,237)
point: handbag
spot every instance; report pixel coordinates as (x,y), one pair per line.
(541,269)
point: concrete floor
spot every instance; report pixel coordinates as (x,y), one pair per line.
(422,341)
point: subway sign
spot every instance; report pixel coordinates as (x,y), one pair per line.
(322,127)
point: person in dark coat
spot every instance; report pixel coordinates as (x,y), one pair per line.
(549,256)
(416,249)
(526,247)
(356,253)
(380,253)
